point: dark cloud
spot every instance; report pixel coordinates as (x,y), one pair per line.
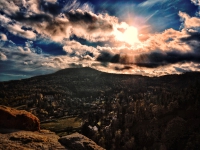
(89,20)
(74,65)
(105,57)
(86,42)
(191,37)
(108,57)
(52,8)
(156,59)
(77,16)
(122,68)
(35,18)
(150,60)
(193,41)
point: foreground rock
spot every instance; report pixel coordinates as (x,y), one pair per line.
(28,140)
(13,136)
(44,140)
(18,119)
(78,141)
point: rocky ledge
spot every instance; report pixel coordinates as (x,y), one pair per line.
(28,140)
(20,130)
(78,141)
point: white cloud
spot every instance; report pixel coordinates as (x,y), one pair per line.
(29,44)
(3,57)
(75,4)
(8,7)
(150,3)
(27,49)
(17,30)
(51,1)
(28,62)
(4,20)
(189,22)
(32,7)
(75,48)
(169,40)
(20,49)
(197,3)
(87,7)
(3,37)
(72,4)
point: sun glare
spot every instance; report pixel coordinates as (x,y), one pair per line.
(128,35)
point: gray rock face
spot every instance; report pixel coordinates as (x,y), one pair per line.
(78,141)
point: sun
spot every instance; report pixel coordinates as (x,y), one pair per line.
(127,34)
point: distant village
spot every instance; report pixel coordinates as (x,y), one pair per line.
(96,113)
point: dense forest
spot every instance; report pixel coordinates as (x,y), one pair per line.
(117,111)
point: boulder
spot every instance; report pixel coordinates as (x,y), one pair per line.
(18,119)
(78,141)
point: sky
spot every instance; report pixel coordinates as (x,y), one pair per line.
(146,37)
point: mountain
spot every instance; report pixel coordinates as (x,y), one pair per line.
(84,82)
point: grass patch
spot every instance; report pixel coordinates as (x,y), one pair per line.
(63,126)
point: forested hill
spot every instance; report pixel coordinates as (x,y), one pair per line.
(86,82)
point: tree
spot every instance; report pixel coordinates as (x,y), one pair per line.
(174,132)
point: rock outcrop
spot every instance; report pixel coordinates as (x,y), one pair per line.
(28,140)
(16,132)
(78,141)
(18,119)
